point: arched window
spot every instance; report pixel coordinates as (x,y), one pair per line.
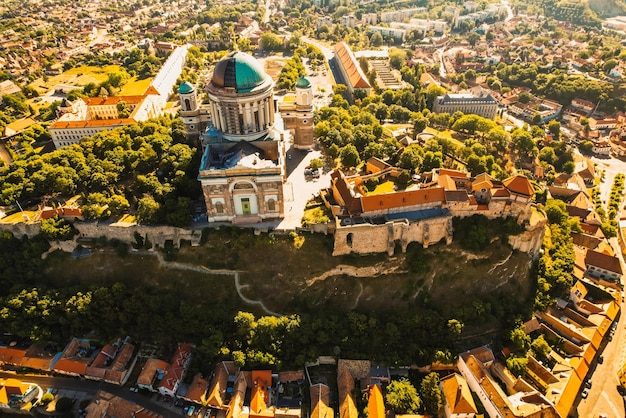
(219,207)
(187,104)
(349,239)
(271,205)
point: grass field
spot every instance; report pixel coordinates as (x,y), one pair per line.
(135,87)
(79,76)
(83,75)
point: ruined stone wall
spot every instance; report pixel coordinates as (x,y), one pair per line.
(158,235)
(368,238)
(530,240)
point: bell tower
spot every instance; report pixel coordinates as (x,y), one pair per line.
(189,110)
(303,135)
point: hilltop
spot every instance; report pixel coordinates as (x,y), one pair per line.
(607,8)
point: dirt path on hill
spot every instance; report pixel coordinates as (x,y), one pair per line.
(371,271)
(201,269)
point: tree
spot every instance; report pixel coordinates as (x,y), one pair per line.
(472,38)
(350,156)
(123,110)
(57,229)
(271,42)
(541,348)
(64,404)
(376,40)
(316,164)
(431,394)
(148,210)
(519,338)
(455,326)
(554,126)
(420,122)
(517,365)
(609,65)
(402,397)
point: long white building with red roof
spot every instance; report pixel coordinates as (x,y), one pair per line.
(351,71)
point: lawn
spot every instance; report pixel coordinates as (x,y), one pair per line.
(386,187)
(79,77)
(444,134)
(135,87)
(18,217)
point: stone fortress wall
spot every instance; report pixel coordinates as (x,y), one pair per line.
(368,238)
(158,234)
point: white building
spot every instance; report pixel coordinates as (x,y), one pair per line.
(484,105)
(400,15)
(386,32)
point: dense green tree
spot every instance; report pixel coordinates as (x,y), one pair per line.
(402,397)
(431,394)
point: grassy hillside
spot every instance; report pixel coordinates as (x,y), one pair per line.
(608,8)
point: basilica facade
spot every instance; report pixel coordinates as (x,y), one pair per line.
(243,139)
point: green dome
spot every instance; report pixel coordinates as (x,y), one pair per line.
(238,70)
(303,83)
(185,88)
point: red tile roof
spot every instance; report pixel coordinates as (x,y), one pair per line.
(520,185)
(96,123)
(352,68)
(178,367)
(406,198)
(603,261)
(375,404)
(112,100)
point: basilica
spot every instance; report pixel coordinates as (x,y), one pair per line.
(243,139)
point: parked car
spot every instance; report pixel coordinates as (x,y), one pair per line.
(588,383)
(600,359)
(190,410)
(584,393)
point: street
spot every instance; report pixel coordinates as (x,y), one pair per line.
(603,396)
(91,387)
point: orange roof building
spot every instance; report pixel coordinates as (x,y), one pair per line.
(375,403)
(224,376)
(519,185)
(350,69)
(197,390)
(151,374)
(457,396)
(320,399)
(260,401)
(176,372)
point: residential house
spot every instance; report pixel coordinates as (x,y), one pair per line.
(457,398)
(15,394)
(107,405)
(75,358)
(375,402)
(601,148)
(222,384)
(29,357)
(603,267)
(177,370)
(152,373)
(345,386)
(476,366)
(196,391)
(113,363)
(260,401)
(320,401)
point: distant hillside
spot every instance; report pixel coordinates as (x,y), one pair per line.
(577,12)
(608,8)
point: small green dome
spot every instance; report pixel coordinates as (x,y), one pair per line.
(238,70)
(303,83)
(185,88)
